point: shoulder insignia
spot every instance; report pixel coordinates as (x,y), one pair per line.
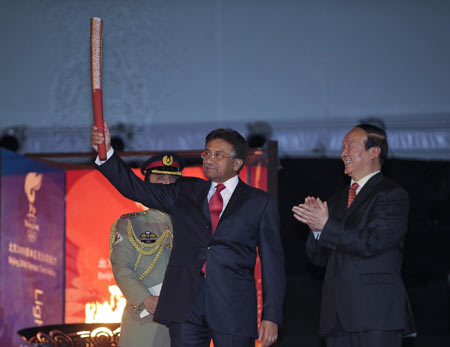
(155,211)
(132,214)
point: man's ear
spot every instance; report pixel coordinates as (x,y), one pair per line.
(374,152)
(237,163)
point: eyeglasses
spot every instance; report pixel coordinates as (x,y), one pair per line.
(214,156)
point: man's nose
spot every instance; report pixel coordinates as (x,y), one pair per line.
(210,159)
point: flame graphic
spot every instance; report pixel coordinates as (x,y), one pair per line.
(106,312)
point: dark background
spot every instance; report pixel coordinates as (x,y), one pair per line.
(426,265)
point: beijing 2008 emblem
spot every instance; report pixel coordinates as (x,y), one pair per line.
(33,182)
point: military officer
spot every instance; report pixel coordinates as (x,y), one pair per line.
(140,246)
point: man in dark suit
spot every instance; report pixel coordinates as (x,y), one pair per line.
(218,225)
(359,236)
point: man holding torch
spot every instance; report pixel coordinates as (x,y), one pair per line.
(218,225)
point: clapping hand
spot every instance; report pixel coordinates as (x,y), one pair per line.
(312,212)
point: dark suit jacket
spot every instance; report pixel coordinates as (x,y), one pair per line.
(362,248)
(250,221)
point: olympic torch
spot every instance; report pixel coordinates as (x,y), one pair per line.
(96,76)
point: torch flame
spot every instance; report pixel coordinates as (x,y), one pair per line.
(106,312)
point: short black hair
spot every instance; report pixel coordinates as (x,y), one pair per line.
(376,137)
(235,139)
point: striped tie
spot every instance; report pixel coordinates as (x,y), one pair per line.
(352,194)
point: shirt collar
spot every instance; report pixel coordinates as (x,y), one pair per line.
(364,180)
(230,184)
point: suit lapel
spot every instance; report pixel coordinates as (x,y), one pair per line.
(365,192)
(239,196)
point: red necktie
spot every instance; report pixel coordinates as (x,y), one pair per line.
(352,193)
(215,208)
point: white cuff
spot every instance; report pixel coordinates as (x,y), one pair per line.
(108,155)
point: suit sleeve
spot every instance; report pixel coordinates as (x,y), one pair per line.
(271,255)
(316,252)
(157,196)
(123,258)
(383,225)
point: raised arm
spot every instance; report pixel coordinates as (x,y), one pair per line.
(157,196)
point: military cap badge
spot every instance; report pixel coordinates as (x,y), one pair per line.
(167,160)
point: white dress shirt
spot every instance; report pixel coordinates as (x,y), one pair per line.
(363,181)
(230,186)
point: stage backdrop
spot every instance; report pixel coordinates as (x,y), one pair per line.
(93,205)
(31,238)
